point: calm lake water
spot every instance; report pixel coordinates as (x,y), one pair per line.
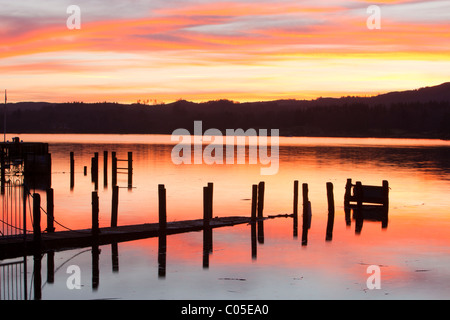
(413,252)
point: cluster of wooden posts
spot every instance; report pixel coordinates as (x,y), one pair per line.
(357,196)
(95,169)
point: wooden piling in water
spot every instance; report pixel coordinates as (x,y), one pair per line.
(105,169)
(130,170)
(330,222)
(50,211)
(37,219)
(358,214)
(295,209)
(254,201)
(162,209)
(207,216)
(210,199)
(94,170)
(95,211)
(261,189)
(113,168)
(305,226)
(208,203)
(348,192)
(384,221)
(114,206)
(72,170)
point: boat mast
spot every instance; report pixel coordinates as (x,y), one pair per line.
(4,120)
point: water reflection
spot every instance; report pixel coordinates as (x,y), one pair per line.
(418,176)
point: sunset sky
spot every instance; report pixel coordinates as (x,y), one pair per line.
(205,50)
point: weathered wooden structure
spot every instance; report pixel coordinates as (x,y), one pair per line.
(367,202)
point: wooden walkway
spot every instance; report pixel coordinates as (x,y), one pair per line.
(17,246)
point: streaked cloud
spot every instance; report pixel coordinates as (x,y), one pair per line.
(221,49)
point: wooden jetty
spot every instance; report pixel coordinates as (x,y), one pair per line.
(12,247)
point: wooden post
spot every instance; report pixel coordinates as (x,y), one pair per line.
(330,222)
(384,221)
(162,208)
(206,198)
(254,201)
(130,170)
(105,169)
(85,170)
(37,219)
(50,211)
(114,206)
(359,219)
(348,192)
(207,216)
(295,209)
(385,193)
(95,209)
(305,226)
(261,188)
(210,199)
(72,170)
(95,170)
(114,168)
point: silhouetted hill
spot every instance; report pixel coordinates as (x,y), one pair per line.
(422,113)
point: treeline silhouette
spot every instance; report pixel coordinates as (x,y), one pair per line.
(423,113)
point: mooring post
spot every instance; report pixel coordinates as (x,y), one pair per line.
(206,198)
(130,170)
(95,170)
(72,170)
(50,211)
(359,219)
(37,219)
(207,216)
(384,221)
(348,192)
(330,222)
(162,208)
(114,206)
(261,188)
(105,169)
(254,201)
(210,199)
(295,209)
(114,168)
(305,226)
(95,209)
(385,193)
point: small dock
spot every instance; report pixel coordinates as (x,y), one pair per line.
(17,246)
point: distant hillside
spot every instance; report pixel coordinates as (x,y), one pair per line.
(421,113)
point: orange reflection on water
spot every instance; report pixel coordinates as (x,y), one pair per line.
(415,240)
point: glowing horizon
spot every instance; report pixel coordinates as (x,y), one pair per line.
(209,50)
